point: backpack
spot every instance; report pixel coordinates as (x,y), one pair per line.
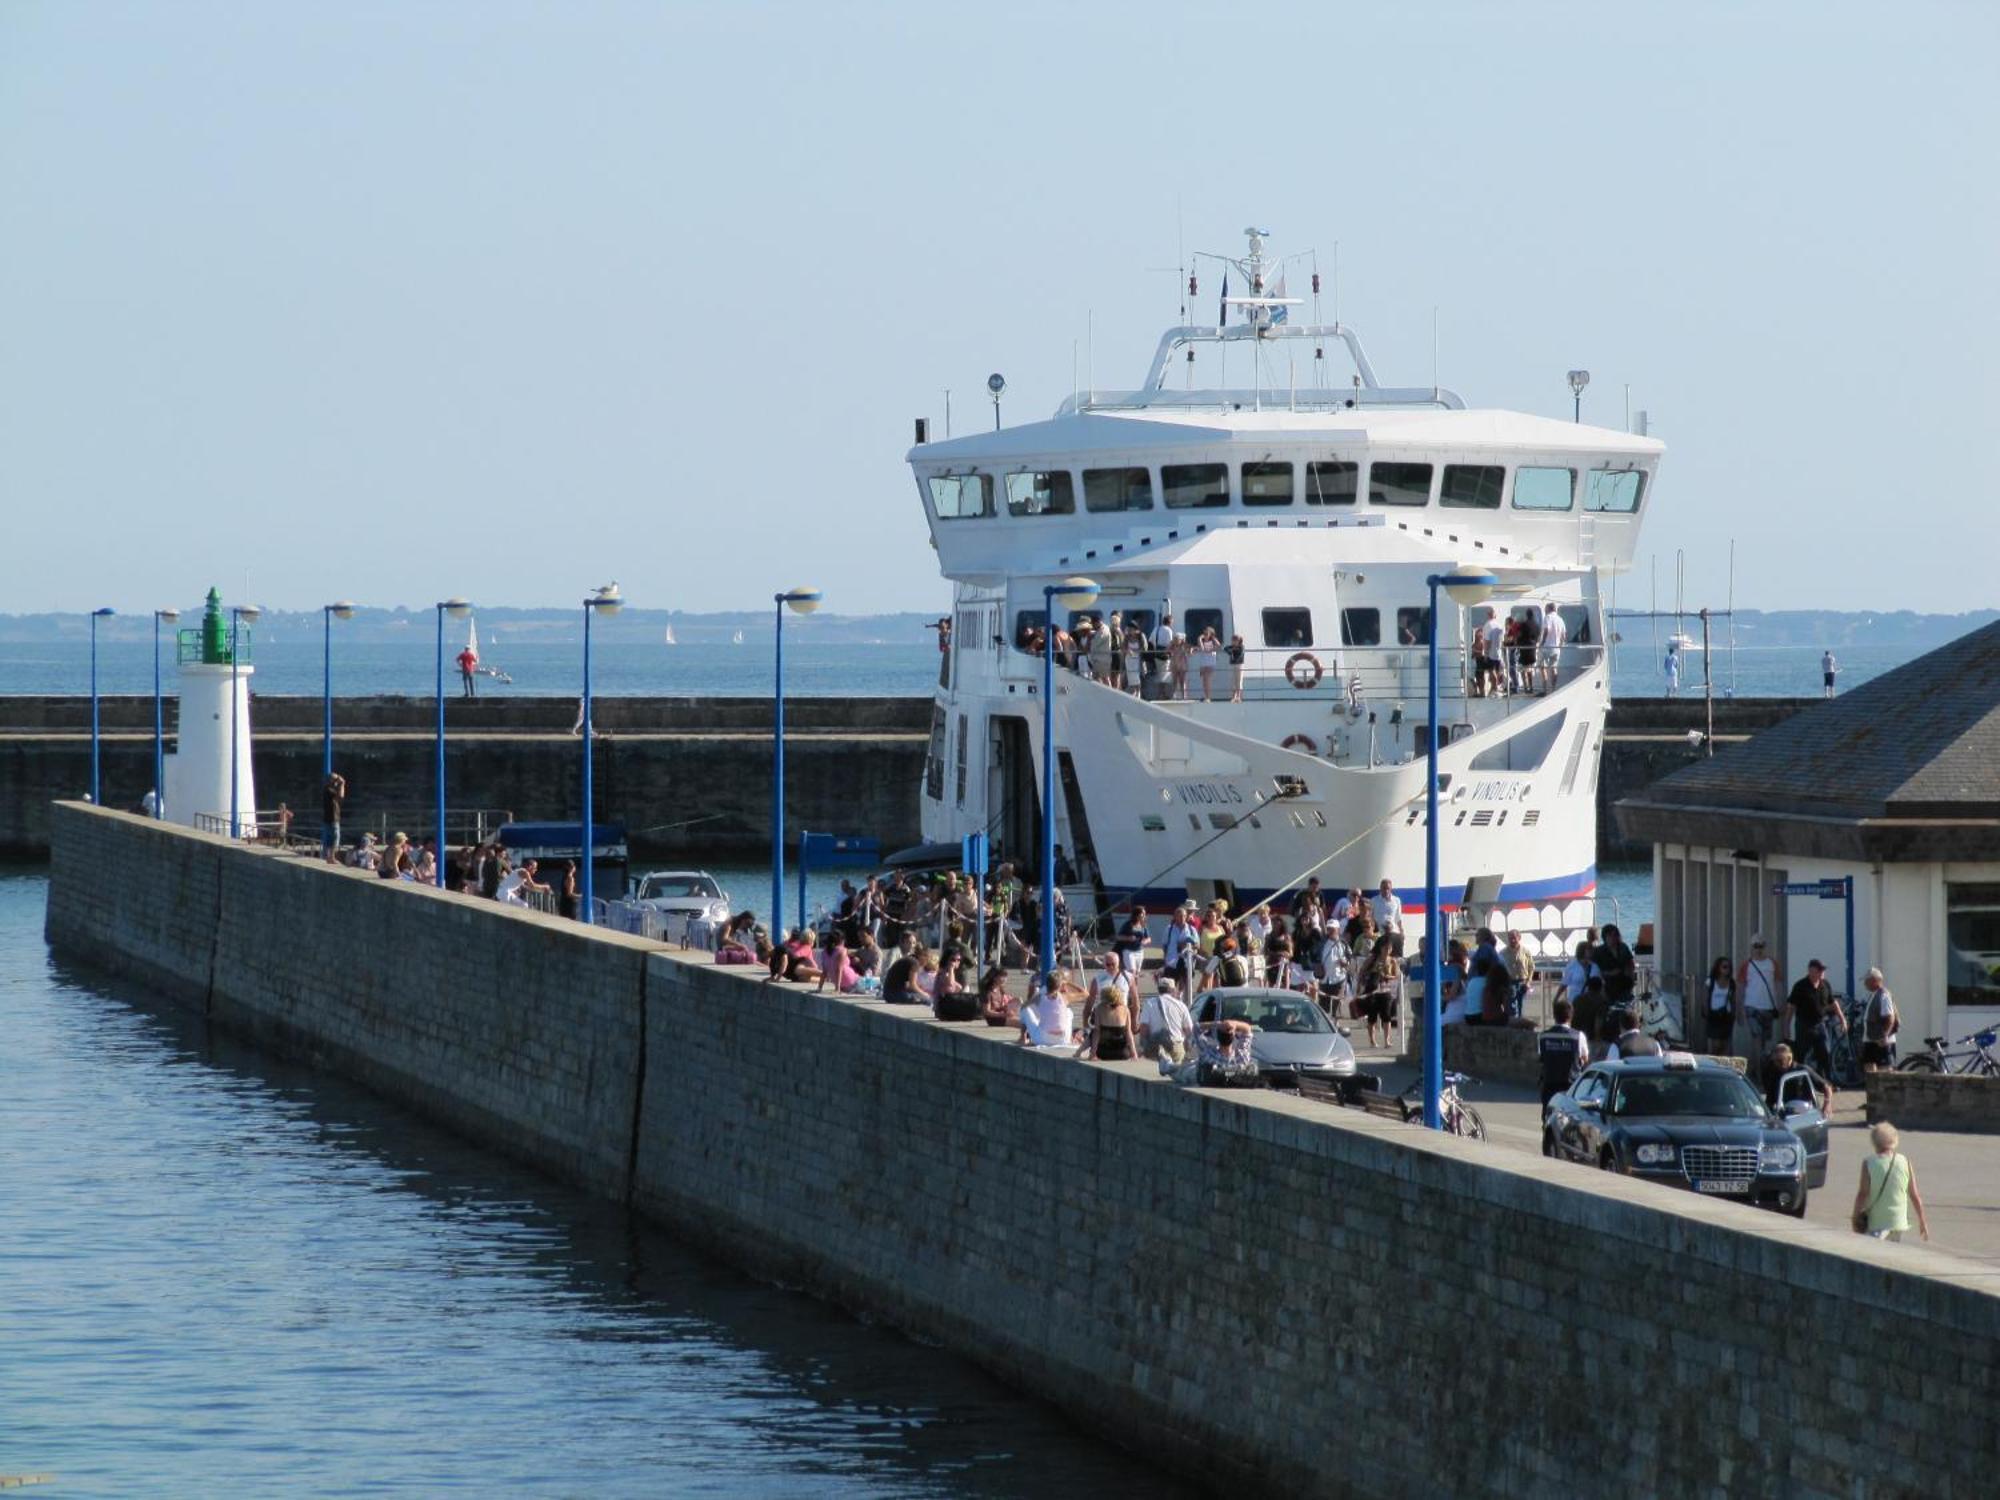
(1234,970)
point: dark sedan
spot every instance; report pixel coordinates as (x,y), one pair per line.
(1690,1122)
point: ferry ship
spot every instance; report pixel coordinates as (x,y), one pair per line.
(1306,521)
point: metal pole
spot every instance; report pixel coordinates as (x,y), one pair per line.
(95,798)
(1048,783)
(235,680)
(778,782)
(440,746)
(1576,412)
(805,837)
(1848,883)
(326,689)
(159,730)
(589,892)
(1433,926)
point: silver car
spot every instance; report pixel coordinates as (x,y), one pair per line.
(1293,1033)
(685,898)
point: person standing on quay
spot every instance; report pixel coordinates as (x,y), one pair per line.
(1828,670)
(1562,1053)
(331,799)
(1809,1011)
(468,671)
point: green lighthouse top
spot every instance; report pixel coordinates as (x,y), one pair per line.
(213,642)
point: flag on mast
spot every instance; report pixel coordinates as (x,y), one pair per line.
(1279,314)
(1222,312)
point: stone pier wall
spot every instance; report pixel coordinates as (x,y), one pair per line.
(1277,1295)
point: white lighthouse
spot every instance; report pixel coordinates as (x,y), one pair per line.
(214,741)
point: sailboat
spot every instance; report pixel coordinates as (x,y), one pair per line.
(736,639)
(670,637)
(472,645)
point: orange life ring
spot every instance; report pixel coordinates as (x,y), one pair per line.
(1309,677)
(1303,742)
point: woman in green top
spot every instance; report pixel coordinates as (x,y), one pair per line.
(1888,1188)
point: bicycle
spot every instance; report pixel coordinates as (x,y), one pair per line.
(1459,1118)
(1843,1053)
(1978,1061)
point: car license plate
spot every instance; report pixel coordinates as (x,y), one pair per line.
(1722,1187)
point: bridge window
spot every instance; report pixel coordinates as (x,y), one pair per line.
(1267,484)
(1614,490)
(1472,486)
(1544,489)
(1361,627)
(1195,621)
(1117,489)
(1195,486)
(1040,494)
(1331,483)
(956,497)
(1288,627)
(1399,484)
(1413,625)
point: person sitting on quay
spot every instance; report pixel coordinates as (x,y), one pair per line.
(367,855)
(835,966)
(1166,1025)
(393,858)
(738,943)
(899,983)
(996,1006)
(1224,1057)
(950,999)
(1045,1020)
(793,959)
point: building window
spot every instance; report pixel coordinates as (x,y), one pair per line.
(1472,486)
(1195,486)
(933,761)
(1117,489)
(962,734)
(1614,490)
(1399,484)
(1288,627)
(957,497)
(1972,944)
(1361,627)
(1267,484)
(1331,483)
(1544,489)
(1040,494)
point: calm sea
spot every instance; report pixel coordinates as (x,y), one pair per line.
(220,1275)
(292,664)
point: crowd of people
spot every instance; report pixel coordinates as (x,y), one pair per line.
(1125,654)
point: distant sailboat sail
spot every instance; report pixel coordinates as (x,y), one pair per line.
(670,637)
(736,639)
(472,645)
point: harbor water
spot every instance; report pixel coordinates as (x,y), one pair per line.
(223,1275)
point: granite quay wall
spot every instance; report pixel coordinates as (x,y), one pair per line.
(694,782)
(1935,1101)
(1279,1296)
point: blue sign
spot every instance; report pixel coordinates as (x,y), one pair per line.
(974,854)
(824,849)
(1826,890)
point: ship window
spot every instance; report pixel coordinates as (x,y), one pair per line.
(1576,622)
(1117,489)
(1615,490)
(1544,489)
(1195,621)
(1472,486)
(1331,483)
(1361,627)
(1288,627)
(1412,625)
(957,496)
(1195,486)
(1028,625)
(1399,484)
(1040,494)
(1267,484)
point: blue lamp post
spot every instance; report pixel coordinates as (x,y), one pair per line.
(239,616)
(95,616)
(328,613)
(1465,586)
(604,601)
(160,616)
(458,609)
(1072,594)
(801,601)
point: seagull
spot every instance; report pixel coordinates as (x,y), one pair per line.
(609,590)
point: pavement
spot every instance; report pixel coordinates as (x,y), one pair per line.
(1956,1173)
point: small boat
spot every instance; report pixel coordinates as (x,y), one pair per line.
(736,639)
(670,637)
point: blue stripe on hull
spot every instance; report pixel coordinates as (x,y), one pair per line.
(1573,887)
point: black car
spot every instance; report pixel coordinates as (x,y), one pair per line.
(1694,1123)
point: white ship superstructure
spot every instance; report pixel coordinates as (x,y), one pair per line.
(1307,522)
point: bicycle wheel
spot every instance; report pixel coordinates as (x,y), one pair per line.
(1923,1062)
(1466,1122)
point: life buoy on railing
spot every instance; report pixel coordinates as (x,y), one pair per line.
(1303,742)
(1302,670)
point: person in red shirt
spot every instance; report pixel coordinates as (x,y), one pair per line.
(468,670)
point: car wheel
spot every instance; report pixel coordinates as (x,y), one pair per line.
(1549,1143)
(1608,1160)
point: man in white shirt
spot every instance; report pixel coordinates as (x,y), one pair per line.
(1388,910)
(1166,1026)
(1491,670)
(1554,632)
(1828,670)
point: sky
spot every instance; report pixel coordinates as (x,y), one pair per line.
(401,301)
